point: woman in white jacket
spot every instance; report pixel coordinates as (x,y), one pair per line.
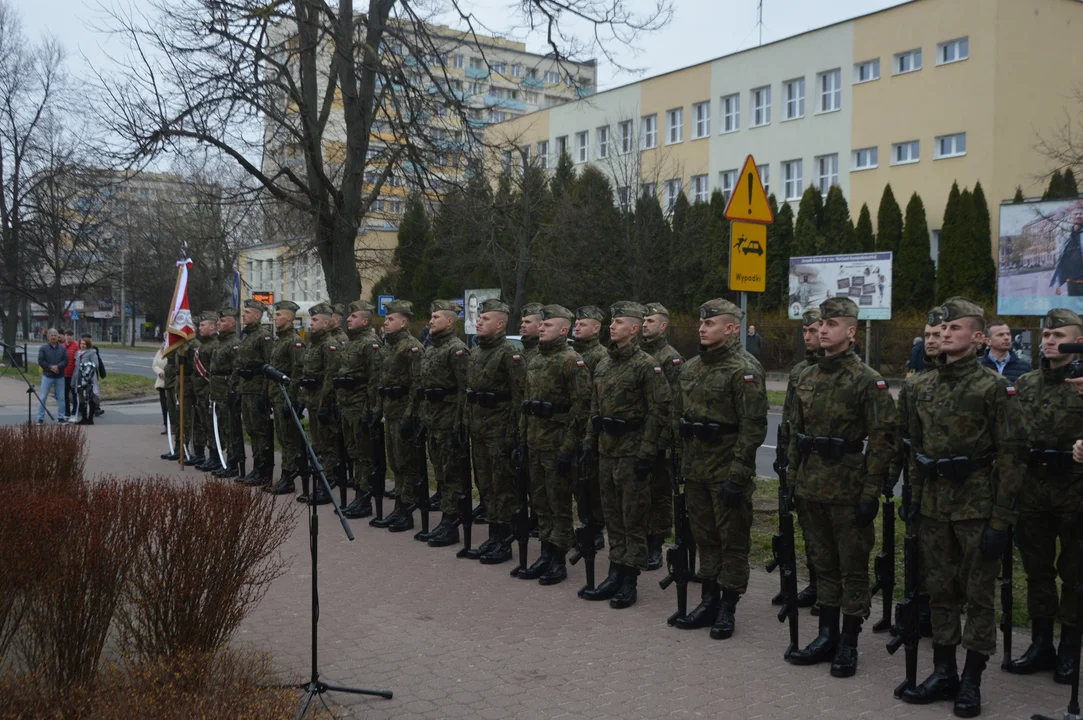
(159,364)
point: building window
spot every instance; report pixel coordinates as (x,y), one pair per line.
(794,93)
(552,78)
(516,70)
(524,157)
(650,131)
(562,146)
(624,197)
(726,180)
(543,154)
(457,61)
(827,167)
(582,144)
(648,190)
(765,177)
(497,116)
(761,106)
(952,51)
(908,61)
(905,152)
(701,115)
(673,189)
(950,146)
(625,137)
(603,141)
(505,162)
(731,113)
(396,207)
(793,180)
(867,71)
(830,90)
(674,126)
(700,189)
(500,68)
(476,63)
(866,158)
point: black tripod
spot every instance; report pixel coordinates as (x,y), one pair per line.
(31,393)
(1072,713)
(315,687)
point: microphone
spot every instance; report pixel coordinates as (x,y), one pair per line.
(1070,348)
(275,375)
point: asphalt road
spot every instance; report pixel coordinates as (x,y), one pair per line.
(128,362)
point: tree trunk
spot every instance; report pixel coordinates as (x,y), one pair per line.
(336,244)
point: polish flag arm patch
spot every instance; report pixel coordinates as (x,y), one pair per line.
(413,349)
(300,345)
(516,358)
(332,348)
(676,361)
(458,353)
(881,384)
(657,370)
(580,363)
(750,378)
(1011,389)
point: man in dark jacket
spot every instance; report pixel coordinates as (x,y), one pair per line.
(754,344)
(52,359)
(1000,357)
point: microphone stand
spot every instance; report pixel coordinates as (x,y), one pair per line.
(315,687)
(30,391)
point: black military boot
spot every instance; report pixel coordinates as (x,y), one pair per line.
(1062,674)
(405,520)
(943,684)
(361,507)
(925,616)
(968,699)
(171,457)
(476,553)
(353,506)
(626,596)
(1041,655)
(606,588)
(539,566)
(389,518)
(255,477)
(558,568)
(199,455)
(500,551)
(447,533)
(285,485)
(845,663)
(322,496)
(704,614)
(726,621)
(807,597)
(654,551)
(823,648)
(433,531)
(480,517)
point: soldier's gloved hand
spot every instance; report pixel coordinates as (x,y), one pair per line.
(731,495)
(865,512)
(406,427)
(912,515)
(994,542)
(643,469)
(564,463)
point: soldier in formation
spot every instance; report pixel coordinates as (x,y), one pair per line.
(319,363)
(528,330)
(288,357)
(253,352)
(587,342)
(176,397)
(224,393)
(355,388)
(204,455)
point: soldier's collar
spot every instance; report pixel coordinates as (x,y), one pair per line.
(623,353)
(652,345)
(553,346)
(812,357)
(396,336)
(835,362)
(491,341)
(442,337)
(959,368)
(1055,374)
(530,341)
(585,343)
(709,356)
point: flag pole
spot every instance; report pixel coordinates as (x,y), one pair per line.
(180,403)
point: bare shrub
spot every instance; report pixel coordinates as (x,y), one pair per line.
(36,454)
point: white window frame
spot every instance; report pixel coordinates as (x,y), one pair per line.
(959,46)
(793,180)
(650,189)
(675,126)
(516,70)
(542,154)
(701,188)
(731,113)
(914,57)
(624,193)
(793,96)
(874,71)
(649,126)
(602,137)
(552,77)
(938,144)
(582,147)
(701,120)
(458,61)
(912,149)
(727,180)
(761,112)
(870,154)
(827,172)
(765,177)
(830,84)
(627,139)
(673,191)
(562,147)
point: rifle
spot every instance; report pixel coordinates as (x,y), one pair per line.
(783,550)
(681,558)
(520,521)
(884,564)
(1006,600)
(907,633)
(466,496)
(584,535)
(344,472)
(378,478)
(422,490)
(237,431)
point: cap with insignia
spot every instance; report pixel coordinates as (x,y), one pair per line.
(810,317)
(401,307)
(959,307)
(627,308)
(228,311)
(550,312)
(657,309)
(532,309)
(360,306)
(321,309)
(719,306)
(935,317)
(494,305)
(1060,317)
(252,304)
(838,307)
(208,316)
(287,305)
(339,309)
(446,306)
(590,312)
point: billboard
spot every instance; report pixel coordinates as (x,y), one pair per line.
(473,298)
(865,278)
(1039,259)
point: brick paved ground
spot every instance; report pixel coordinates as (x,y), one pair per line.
(455,639)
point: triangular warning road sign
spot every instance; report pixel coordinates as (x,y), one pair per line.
(748,201)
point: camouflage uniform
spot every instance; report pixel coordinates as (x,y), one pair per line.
(182,356)
(355,390)
(320,362)
(592,352)
(288,356)
(660,524)
(203,433)
(338,340)
(253,352)
(400,375)
(223,395)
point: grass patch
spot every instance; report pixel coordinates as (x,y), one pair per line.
(114,386)
(776,397)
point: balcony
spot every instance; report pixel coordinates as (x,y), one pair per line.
(533,84)
(504,103)
(477,73)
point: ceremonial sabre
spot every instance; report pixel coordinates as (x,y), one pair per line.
(217,437)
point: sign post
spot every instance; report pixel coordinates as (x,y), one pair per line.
(749,213)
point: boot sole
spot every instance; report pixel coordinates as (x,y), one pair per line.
(796,659)
(943,696)
(494,560)
(848,672)
(721,635)
(1038,667)
(403,528)
(552,581)
(623,604)
(442,543)
(683,624)
(967,713)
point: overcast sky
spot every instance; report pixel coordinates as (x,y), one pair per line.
(700,29)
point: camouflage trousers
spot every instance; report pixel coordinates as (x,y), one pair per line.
(799,506)
(958,574)
(597,506)
(290,444)
(325,441)
(495,476)
(229,431)
(256,415)
(723,535)
(551,498)
(174,407)
(660,517)
(402,459)
(840,553)
(202,431)
(357,441)
(1037,534)
(444,456)
(626,501)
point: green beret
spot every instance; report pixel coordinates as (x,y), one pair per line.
(719,306)
(228,311)
(838,307)
(494,305)
(339,309)
(208,316)
(556,311)
(321,309)
(255,305)
(400,307)
(446,306)
(1060,317)
(959,307)
(360,306)
(287,305)
(657,309)
(532,309)
(935,317)
(590,312)
(627,308)
(810,317)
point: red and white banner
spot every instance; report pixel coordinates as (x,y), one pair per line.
(180,328)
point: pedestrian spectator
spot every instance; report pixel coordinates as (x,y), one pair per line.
(159,363)
(52,359)
(1000,356)
(88,368)
(72,347)
(916,363)
(754,344)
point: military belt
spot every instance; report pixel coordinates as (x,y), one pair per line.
(615,425)
(833,448)
(1054,460)
(347,382)
(434,394)
(543,409)
(393,392)
(246,373)
(956,468)
(222,373)
(486,398)
(309,383)
(704,430)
